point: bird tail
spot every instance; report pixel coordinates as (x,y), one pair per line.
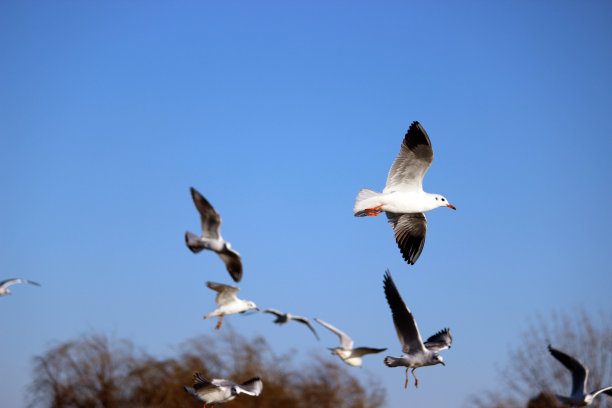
(193,242)
(392,361)
(366,198)
(190,391)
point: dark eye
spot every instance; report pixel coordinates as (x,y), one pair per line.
(436,198)
(443,200)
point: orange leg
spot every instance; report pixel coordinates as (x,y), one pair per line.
(218,326)
(374,211)
(406,383)
(416,380)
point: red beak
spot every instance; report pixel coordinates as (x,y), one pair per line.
(451,206)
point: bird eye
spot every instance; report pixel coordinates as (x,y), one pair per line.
(443,200)
(436,198)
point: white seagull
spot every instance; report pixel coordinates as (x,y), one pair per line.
(228,302)
(211,237)
(403,199)
(416,354)
(218,391)
(4,290)
(346,352)
(282,318)
(579,397)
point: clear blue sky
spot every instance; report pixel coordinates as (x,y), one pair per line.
(279,112)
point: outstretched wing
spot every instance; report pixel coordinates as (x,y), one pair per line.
(579,371)
(226,293)
(233,263)
(439,341)
(345,341)
(211,221)
(251,387)
(307,323)
(412,162)
(9,282)
(410,231)
(362,351)
(405,326)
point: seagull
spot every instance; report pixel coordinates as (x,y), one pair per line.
(4,290)
(282,318)
(580,374)
(228,302)
(211,237)
(346,352)
(403,199)
(416,354)
(217,391)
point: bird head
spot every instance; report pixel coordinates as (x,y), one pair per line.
(251,305)
(441,201)
(438,359)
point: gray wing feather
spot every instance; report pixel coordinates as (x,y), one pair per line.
(307,323)
(412,162)
(226,293)
(439,341)
(405,326)
(211,221)
(410,231)
(251,387)
(233,263)
(362,351)
(345,341)
(9,282)
(274,312)
(579,371)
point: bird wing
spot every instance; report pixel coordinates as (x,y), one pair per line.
(200,382)
(412,162)
(211,221)
(251,387)
(9,282)
(233,263)
(579,371)
(345,341)
(362,351)
(605,390)
(439,341)
(307,323)
(274,312)
(410,231)
(227,293)
(405,326)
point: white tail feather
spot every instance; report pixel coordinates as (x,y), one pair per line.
(366,198)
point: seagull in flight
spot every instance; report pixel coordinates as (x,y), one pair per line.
(282,318)
(580,373)
(346,352)
(403,199)
(218,391)
(228,302)
(416,353)
(211,237)
(4,290)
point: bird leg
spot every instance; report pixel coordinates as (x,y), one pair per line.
(218,326)
(406,383)
(371,212)
(416,380)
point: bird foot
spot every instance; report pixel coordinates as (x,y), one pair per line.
(372,212)
(416,380)
(218,326)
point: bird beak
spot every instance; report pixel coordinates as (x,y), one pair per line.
(442,362)
(451,206)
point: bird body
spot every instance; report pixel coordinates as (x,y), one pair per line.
(217,391)
(403,199)
(4,290)
(416,353)
(580,373)
(228,302)
(346,352)
(211,238)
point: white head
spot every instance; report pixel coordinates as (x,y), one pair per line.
(441,201)
(437,359)
(251,305)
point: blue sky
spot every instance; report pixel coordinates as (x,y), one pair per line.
(278,113)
